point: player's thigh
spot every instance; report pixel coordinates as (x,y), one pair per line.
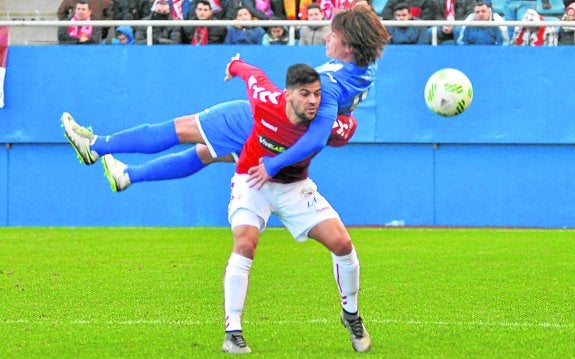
(225,127)
(333,235)
(247,206)
(301,207)
(187,129)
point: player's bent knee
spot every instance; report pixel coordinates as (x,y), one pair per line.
(246,239)
(342,246)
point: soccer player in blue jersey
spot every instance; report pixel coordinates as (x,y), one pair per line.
(354,45)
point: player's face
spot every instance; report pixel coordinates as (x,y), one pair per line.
(304,100)
(335,47)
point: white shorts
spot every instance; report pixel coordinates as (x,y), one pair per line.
(298,205)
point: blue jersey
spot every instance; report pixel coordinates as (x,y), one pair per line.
(343,86)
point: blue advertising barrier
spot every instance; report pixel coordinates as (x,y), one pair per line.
(507,161)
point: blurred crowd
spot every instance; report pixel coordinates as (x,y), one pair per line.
(401,10)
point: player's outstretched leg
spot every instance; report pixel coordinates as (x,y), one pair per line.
(115,172)
(360,339)
(80,138)
(235,343)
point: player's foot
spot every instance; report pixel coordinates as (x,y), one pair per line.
(80,138)
(235,343)
(360,339)
(115,172)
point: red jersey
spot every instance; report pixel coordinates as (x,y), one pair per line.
(273,133)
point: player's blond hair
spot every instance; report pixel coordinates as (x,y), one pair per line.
(362,30)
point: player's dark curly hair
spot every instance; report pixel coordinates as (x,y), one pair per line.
(362,30)
(300,74)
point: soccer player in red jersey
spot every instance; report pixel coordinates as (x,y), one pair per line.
(280,119)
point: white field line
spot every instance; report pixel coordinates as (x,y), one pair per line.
(176,323)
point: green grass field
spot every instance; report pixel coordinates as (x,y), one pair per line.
(157,292)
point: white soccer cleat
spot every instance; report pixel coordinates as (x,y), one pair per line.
(360,339)
(115,172)
(80,138)
(235,343)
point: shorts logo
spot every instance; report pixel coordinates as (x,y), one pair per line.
(271,145)
(307,192)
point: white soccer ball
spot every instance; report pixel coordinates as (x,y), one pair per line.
(448,92)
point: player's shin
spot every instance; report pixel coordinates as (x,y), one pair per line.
(346,272)
(235,290)
(141,139)
(176,165)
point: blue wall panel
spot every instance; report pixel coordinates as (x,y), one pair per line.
(377,184)
(519,95)
(505,185)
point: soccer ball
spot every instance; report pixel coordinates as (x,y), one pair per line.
(448,92)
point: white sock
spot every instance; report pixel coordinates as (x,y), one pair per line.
(346,272)
(235,290)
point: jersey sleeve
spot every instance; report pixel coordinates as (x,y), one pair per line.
(258,85)
(315,137)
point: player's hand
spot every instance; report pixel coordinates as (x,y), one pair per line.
(258,175)
(234,58)
(343,129)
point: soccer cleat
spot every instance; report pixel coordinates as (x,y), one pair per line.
(235,343)
(360,339)
(80,138)
(115,172)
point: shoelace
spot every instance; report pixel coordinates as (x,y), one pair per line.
(356,326)
(239,340)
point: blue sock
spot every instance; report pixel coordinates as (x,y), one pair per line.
(141,139)
(172,166)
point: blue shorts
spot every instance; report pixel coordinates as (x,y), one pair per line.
(225,127)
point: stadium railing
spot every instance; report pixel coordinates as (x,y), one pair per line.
(291,24)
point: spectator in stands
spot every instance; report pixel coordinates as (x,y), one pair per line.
(566,33)
(421,9)
(203,35)
(124,36)
(101,9)
(82,34)
(406,35)
(126,10)
(160,34)
(494,17)
(514,10)
(331,7)
(216,5)
(145,8)
(277,35)
(313,35)
(451,10)
(180,9)
(534,35)
(244,34)
(230,9)
(478,35)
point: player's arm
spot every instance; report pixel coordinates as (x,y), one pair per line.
(256,80)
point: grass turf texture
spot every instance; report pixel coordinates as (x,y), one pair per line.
(157,292)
